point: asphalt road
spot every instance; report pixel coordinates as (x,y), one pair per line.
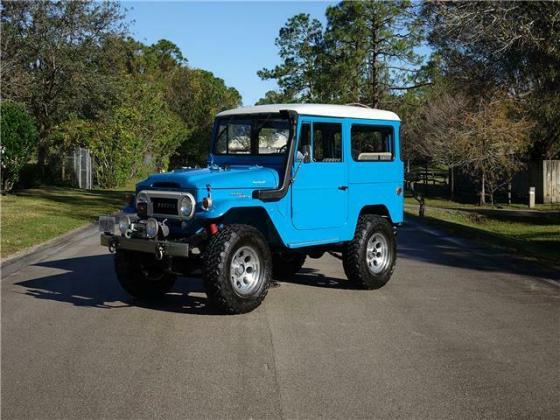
(455,334)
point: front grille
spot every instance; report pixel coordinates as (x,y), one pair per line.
(164,205)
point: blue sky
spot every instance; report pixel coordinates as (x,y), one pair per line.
(231,39)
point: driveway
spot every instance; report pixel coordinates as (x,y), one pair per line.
(458,332)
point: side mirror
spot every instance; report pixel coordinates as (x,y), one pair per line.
(300,158)
(303,156)
(306,153)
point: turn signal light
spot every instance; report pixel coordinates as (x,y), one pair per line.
(206,203)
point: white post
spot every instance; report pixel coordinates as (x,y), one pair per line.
(531,197)
(88,171)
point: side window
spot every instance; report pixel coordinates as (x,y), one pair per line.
(372,143)
(327,142)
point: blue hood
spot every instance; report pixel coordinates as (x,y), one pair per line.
(238,177)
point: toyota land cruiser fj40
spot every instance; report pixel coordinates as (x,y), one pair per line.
(283,182)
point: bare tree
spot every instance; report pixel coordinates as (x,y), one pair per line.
(493,143)
(437,129)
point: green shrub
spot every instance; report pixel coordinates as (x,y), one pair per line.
(18,137)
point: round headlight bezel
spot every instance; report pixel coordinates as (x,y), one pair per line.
(124,224)
(142,200)
(142,197)
(152,228)
(187,211)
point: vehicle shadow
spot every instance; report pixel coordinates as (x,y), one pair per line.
(313,277)
(90,281)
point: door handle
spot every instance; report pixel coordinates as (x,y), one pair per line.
(343,187)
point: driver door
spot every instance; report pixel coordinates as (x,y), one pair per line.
(320,188)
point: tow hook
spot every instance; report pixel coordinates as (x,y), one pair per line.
(212,229)
(160,251)
(112,245)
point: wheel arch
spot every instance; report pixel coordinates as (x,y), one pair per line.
(378,210)
(257,217)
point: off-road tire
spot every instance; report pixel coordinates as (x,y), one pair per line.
(354,255)
(142,276)
(217,264)
(286,264)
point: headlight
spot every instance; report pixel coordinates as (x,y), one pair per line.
(124,224)
(152,228)
(186,206)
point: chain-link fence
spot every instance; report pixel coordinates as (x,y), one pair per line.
(77,168)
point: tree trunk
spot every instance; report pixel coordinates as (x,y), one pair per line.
(425,178)
(355,79)
(374,85)
(483,190)
(42,150)
(451,183)
(373,93)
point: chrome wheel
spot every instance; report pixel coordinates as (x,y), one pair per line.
(245,270)
(377,253)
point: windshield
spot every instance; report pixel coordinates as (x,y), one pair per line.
(252,135)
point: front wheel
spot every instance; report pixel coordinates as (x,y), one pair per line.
(237,269)
(141,275)
(369,259)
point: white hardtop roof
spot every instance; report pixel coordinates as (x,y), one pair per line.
(321,110)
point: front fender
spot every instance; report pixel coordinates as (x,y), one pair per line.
(224,202)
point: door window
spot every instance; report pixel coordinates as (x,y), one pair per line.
(327,142)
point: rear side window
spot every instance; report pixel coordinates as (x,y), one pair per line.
(327,142)
(372,143)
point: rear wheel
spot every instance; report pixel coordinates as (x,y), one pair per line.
(141,275)
(369,259)
(237,269)
(286,264)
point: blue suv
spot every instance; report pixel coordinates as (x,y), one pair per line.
(283,182)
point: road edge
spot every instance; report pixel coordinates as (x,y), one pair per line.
(36,253)
(477,249)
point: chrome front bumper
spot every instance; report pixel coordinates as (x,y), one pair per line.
(149,246)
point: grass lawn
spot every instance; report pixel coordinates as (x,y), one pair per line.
(32,216)
(535,238)
(447,204)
